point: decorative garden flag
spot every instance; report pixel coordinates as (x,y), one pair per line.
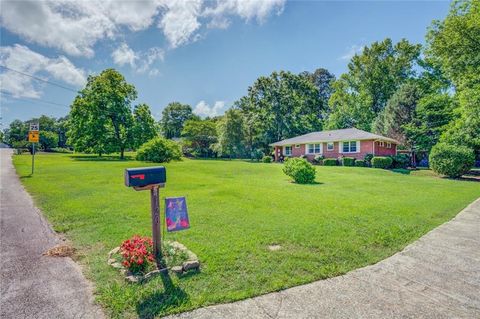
(176,214)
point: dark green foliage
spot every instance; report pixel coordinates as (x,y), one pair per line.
(348,161)
(451,160)
(159,150)
(174,116)
(199,137)
(267,159)
(368,159)
(323,80)
(318,159)
(300,170)
(360,163)
(48,140)
(382,162)
(230,135)
(400,161)
(144,126)
(330,162)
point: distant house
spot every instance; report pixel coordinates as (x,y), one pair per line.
(350,142)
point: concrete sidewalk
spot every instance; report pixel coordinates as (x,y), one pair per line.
(32,285)
(438,276)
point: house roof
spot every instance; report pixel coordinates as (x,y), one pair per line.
(334,136)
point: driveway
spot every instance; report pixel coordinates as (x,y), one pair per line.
(32,285)
(437,276)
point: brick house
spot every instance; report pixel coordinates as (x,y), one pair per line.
(350,142)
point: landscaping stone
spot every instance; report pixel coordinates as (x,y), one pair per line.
(190,264)
(111,261)
(177,269)
(117,265)
(113,251)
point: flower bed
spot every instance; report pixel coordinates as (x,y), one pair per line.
(135,259)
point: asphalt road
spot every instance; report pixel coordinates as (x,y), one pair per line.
(32,285)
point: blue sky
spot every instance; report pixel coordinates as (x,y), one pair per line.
(205,54)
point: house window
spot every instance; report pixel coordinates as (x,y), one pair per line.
(288,150)
(297,145)
(330,146)
(389,145)
(382,144)
(349,147)
(314,149)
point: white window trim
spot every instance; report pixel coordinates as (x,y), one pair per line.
(333,146)
(381,144)
(389,145)
(340,147)
(285,150)
(308,153)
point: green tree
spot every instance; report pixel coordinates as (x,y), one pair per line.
(431,118)
(174,117)
(101,118)
(372,78)
(48,140)
(144,126)
(323,80)
(283,105)
(62,128)
(230,134)
(17,132)
(454,45)
(398,113)
(199,136)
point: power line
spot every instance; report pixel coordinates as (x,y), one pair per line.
(34,100)
(40,79)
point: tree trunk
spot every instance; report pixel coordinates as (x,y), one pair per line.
(122,151)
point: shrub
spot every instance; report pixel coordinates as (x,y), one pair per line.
(382,162)
(318,159)
(360,163)
(267,159)
(451,160)
(330,162)
(61,150)
(137,254)
(300,170)
(348,161)
(400,161)
(159,150)
(368,159)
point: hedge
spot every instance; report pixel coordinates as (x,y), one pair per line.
(330,162)
(451,160)
(382,162)
(360,163)
(348,161)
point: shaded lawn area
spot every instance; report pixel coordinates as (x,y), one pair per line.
(351,218)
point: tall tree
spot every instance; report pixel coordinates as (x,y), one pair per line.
(144,126)
(323,80)
(372,77)
(454,45)
(101,115)
(283,105)
(398,113)
(199,136)
(230,134)
(174,117)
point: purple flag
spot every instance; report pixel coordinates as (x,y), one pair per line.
(176,214)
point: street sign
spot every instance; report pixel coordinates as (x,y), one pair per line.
(33,136)
(34,127)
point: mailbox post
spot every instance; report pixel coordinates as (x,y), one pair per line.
(150,178)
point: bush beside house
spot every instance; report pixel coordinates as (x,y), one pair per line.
(360,163)
(451,160)
(348,161)
(382,162)
(267,159)
(330,162)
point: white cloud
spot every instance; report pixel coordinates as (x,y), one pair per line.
(203,109)
(140,61)
(76,26)
(352,51)
(21,58)
(124,55)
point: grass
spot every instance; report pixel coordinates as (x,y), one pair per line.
(351,218)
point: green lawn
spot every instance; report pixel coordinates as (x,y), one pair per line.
(351,218)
